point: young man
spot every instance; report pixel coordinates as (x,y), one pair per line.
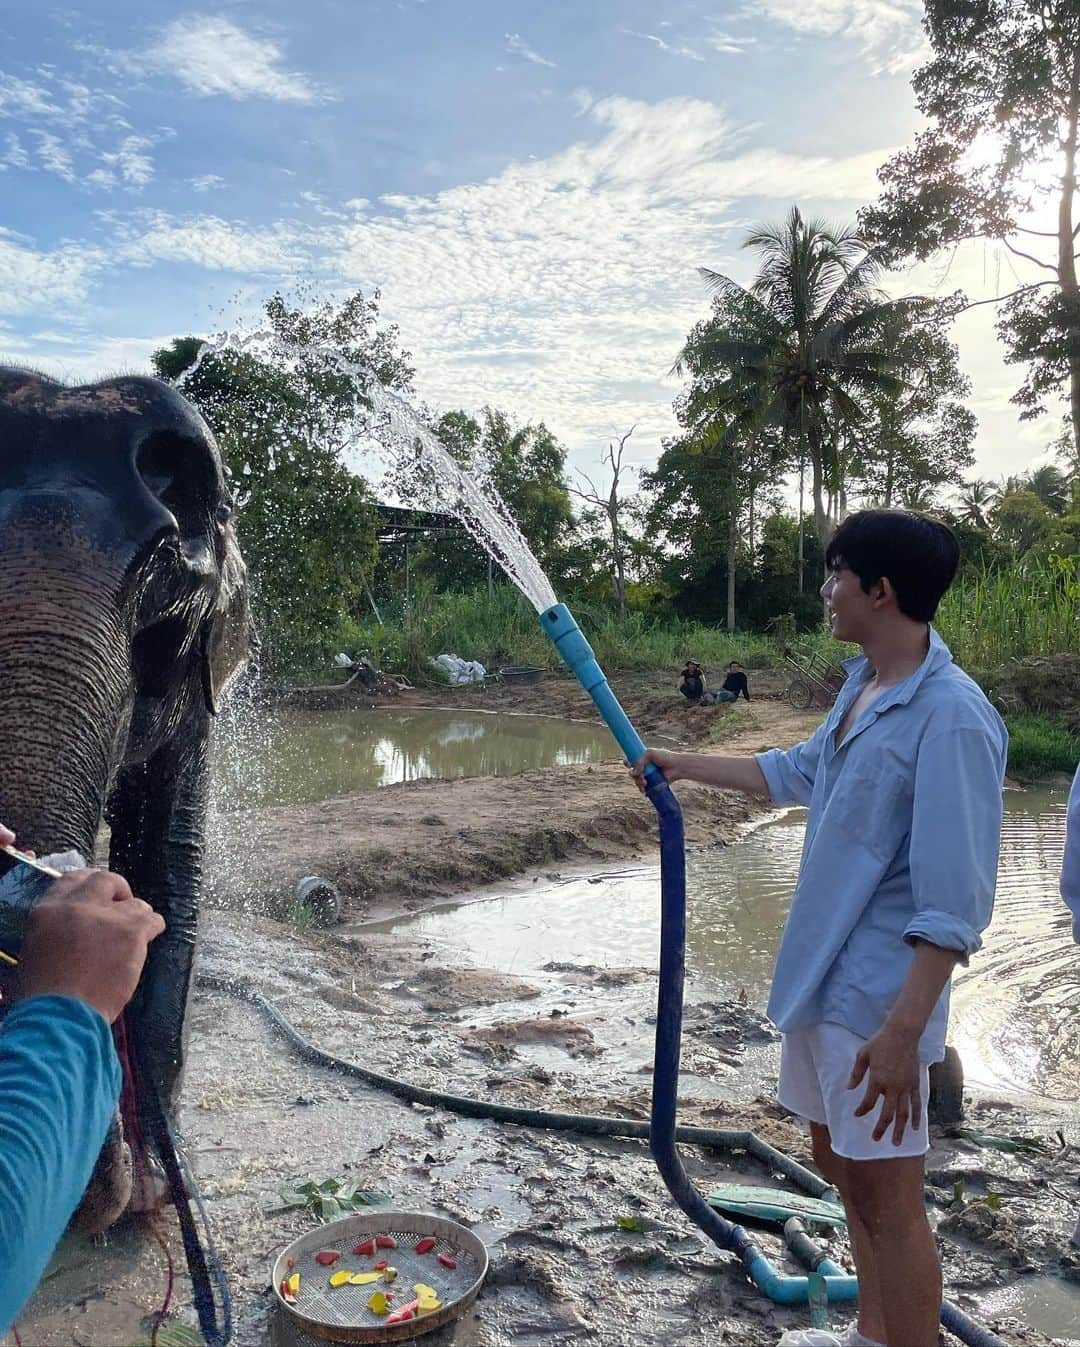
(903,783)
(735,684)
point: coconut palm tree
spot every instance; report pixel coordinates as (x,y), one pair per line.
(807,343)
(1050,485)
(977,499)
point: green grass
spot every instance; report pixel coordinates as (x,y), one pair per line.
(1005,614)
(1039,746)
(506,630)
(987,619)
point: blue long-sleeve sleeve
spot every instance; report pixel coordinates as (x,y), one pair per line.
(1070,871)
(59,1083)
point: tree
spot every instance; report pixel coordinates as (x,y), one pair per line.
(1022,521)
(799,348)
(977,499)
(1002,95)
(1050,485)
(918,436)
(613,509)
(524,465)
(306,524)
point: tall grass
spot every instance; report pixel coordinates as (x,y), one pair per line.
(505,630)
(990,617)
(986,618)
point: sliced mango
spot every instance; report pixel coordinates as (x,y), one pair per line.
(363,1278)
(341,1278)
(427,1298)
(293,1283)
(378,1303)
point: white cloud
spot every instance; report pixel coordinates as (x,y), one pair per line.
(131,160)
(206,182)
(213,56)
(563,287)
(79,133)
(32,280)
(54,155)
(888,30)
(519,47)
(727,44)
(21,98)
(688,52)
(213,243)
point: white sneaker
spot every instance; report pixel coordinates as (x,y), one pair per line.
(820,1337)
(851,1337)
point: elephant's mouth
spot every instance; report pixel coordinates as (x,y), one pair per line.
(158,656)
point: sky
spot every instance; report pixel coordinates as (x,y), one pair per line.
(531,184)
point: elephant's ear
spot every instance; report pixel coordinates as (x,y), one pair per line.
(227,634)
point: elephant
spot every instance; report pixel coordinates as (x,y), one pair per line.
(124,616)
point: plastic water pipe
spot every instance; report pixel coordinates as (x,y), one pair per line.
(579,657)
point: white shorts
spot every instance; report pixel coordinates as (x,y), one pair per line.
(815,1065)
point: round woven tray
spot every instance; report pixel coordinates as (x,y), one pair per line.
(340,1314)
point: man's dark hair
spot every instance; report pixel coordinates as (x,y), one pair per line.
(734,664)
(918,556)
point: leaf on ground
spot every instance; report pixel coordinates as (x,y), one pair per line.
(637,1224)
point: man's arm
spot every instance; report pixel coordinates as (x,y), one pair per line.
(1070,870)
(706,768)
(890,1060)
(59,1082)
(85,947)
(953,855)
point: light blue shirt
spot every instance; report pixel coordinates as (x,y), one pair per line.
(1070,871)
(901,845)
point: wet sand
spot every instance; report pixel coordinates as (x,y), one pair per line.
(254,1117)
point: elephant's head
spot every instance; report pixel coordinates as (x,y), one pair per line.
(123,603)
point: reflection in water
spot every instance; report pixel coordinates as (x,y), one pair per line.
(291,756)
(1015,1011)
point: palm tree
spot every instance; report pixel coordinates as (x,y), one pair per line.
(920,496)
(977,499)
(807,344)
(1050,485)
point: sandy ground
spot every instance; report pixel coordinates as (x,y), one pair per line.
(254,1117)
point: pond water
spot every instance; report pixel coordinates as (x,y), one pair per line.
(288,755)
(1015,1010)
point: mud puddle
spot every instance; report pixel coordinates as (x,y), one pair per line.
(1046,1303)
(591,942)
(291,755)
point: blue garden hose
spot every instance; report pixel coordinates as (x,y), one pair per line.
(580,659)
(578,655)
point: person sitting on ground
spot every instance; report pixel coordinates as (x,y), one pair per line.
(83,951)
(692,681)
(904,786)
(734,684)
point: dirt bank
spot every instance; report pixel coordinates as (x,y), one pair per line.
(406,844)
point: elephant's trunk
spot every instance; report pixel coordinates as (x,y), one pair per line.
(65,677)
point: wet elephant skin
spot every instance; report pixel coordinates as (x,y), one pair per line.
(123,616)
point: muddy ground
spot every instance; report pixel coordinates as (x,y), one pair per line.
(256,1118)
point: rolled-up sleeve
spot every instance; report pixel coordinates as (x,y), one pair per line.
(1070,870)
(955,837)
(789,772)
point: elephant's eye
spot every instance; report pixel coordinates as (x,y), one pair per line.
(180,473)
